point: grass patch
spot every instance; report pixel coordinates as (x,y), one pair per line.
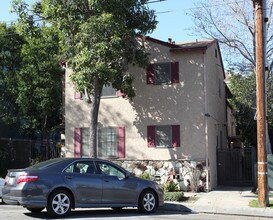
(173,196)
(189,199)
(255,204)
(179,197)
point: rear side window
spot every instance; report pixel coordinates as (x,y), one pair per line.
(45,164)
(85,167)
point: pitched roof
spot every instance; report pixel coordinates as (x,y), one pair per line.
(183,46)
(195,45)
(188,46)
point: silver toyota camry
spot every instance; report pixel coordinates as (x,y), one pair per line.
(62,184)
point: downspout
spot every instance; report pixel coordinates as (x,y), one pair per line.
(206,124)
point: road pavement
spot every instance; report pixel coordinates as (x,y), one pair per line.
(10,212)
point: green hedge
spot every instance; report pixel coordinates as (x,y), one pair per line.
(173,196)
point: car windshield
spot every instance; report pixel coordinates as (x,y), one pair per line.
(46,163)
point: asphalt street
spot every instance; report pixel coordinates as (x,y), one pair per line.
(18,212)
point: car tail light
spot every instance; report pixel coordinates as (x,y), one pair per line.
(27,178)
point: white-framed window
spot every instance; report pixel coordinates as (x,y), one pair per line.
(107,142)
(162,73)
(163,136)
(85,142)
(110,142)
(220,88)
(108,91)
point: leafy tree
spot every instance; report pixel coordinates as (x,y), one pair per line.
(10,61)
(39,79)
(243,89)
(100,39)
(244,97)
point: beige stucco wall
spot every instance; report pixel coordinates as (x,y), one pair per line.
(182,103)
(216,108)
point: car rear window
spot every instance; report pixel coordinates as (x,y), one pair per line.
(45,164)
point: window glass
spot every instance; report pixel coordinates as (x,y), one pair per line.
(108,91)
(220,88)
(111,170)
(163,136)
(81,167)
(85,142)
(162,73)
(107,142)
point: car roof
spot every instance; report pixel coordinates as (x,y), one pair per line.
(61,161)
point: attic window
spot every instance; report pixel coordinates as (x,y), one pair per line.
(108,91)
(163,73)
(216,53)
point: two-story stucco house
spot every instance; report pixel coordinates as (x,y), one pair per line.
(173,126)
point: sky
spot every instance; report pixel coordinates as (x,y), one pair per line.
(173,19)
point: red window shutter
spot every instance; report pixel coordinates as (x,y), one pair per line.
(151,74)
(176,135)
(151,136)
(121,142)
(77,142)
(175,72)
(77,95)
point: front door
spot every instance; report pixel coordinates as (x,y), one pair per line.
(117,188)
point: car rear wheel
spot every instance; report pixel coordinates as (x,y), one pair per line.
(147,201)
(35,210)
(59,203)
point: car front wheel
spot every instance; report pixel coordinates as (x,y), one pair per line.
(147,201)
(59,203)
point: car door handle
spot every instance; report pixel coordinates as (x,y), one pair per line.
(69,177)
(107,181)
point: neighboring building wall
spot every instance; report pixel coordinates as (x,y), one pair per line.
(200,91)
(231,122)
(216,108)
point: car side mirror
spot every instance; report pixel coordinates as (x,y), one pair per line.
(128,174)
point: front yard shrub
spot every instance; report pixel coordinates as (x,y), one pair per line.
(170,187)
(145,176)
(174,196)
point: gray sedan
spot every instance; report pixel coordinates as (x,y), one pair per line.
(62,184)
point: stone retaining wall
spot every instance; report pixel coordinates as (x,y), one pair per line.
(189,175)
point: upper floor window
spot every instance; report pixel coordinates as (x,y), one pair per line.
(220,88)
(216,53)
(163,73)
(108,91)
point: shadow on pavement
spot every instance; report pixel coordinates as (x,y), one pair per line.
(102,213)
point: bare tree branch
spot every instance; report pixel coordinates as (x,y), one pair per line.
(232,23)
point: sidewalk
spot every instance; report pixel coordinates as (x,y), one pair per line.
(225,200)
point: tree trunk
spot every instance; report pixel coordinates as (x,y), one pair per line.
(94,111)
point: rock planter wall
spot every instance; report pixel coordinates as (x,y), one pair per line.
(189,175)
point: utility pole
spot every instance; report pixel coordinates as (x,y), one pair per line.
(260,97)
